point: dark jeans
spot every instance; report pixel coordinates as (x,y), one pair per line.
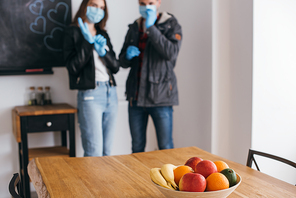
(163,121)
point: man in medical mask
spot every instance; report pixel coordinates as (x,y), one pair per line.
(150,51)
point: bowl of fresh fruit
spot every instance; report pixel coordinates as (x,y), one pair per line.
(196,178)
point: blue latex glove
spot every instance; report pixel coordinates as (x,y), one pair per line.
(85,31)
(100,44)
(151,16)
(131,52)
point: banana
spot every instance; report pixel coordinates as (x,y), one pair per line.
(170,185)
(157,178)
(167,170)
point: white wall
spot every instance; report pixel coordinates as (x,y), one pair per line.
(232,78)
(193,70)
(194,79)
(117,27)
(192,118)
(274,84)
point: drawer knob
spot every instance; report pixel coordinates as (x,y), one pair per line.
(48,124)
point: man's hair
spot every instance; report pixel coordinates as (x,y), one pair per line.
(82,14)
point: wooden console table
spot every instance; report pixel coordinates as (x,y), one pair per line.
(36,119)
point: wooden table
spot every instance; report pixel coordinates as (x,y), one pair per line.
(36,119)
(128,175)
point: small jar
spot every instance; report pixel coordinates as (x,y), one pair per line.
(32,96)
(47,96)
(40,96)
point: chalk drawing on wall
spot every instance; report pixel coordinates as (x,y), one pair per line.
(58,16)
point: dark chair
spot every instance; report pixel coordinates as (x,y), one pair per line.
(253,152)
(15,183)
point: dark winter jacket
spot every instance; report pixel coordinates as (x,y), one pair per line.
(158,83)
(79,57)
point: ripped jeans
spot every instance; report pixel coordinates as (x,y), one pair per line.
(97,115)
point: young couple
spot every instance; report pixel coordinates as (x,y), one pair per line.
(150,51)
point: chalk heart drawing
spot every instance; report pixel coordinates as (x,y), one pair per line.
(51,41)
(36,8)
(39,25)
(53,14)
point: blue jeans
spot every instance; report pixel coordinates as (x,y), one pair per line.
(97,115)
(163,121)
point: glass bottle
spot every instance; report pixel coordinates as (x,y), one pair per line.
(32,96)
(40,96)
(47,97)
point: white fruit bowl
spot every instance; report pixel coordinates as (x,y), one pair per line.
(210,194)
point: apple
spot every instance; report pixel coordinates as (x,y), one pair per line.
(205,168)
(193,161)
(192,182)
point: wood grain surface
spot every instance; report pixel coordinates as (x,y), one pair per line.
(16,125)
(128,175)
(57,151)
(45,109)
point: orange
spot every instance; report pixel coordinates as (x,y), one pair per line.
(180,171)
(221,165)
(217,181)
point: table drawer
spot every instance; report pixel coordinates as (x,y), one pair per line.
(58,122)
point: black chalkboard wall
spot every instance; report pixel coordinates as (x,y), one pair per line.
(31,35)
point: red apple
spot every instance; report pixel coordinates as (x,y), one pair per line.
(193,161)
(205,168)
(192,182)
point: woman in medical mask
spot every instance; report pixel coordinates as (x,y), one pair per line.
(91,63)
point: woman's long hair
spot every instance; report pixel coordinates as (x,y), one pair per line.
(82,14)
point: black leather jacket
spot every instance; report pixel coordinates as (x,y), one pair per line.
(79,58)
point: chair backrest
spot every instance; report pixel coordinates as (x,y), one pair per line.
(251,159)
(15,183)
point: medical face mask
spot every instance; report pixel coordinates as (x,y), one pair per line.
(94,15)
(143,10)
